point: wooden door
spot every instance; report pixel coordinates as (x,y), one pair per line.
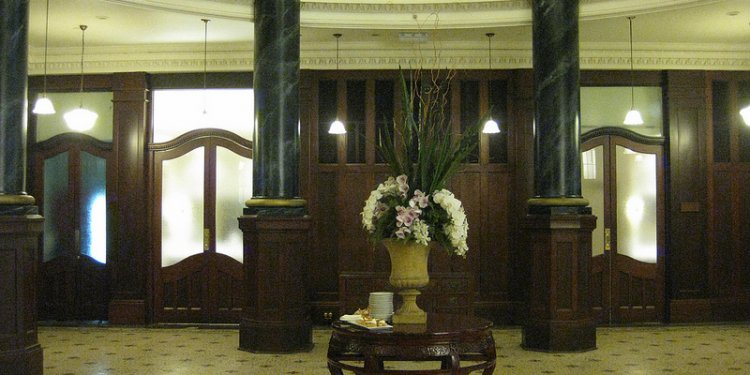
(69,180)
(198,243)
(624,181)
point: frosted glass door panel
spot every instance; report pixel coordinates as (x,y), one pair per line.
(182,207)
(94,207)
(592,188)
(234,183)
(58,210)
(636,204)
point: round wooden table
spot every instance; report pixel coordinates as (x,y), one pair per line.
(447,338)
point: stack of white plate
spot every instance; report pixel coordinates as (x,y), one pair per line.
(381,305)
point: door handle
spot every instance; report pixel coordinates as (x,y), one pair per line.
(607,240)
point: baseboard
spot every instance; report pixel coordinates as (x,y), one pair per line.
(709,310)
(127,312)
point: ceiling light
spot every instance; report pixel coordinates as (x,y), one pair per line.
(81,119)
(633,117)
(337,127)
(490,127)
(44,106)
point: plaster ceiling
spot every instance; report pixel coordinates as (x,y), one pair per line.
(136,34)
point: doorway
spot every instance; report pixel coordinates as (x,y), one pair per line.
(69,179)
(623,178)
(200,184)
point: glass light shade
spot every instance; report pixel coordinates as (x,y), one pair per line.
(745,113)
(491,127)
(43,106)
(337,127)
(633,118)
(80,119)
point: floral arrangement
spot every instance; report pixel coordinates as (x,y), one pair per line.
(424,154)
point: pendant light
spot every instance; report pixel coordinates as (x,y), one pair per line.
(490,127)
(337,127)
(205,65)
(44,106)
(81,119)
(633,117)
(745,113)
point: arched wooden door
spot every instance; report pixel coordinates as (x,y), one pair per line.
(623,179)
(69,180)
(201,181)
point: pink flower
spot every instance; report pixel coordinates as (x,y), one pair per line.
(420,200)
(403,185)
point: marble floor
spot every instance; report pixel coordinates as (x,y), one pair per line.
(697,349)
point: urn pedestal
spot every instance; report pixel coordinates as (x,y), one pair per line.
(408,275)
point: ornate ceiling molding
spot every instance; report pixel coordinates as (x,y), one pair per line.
(409,14)
(463,55)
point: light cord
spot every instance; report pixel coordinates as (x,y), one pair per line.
(46,38)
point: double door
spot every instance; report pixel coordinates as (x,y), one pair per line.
(69,180)
(201,184)
(623,180)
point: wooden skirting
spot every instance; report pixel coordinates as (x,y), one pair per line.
(127,312)
(709,310)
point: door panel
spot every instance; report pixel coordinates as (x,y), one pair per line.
(624,184)
(70,180)
(201,187)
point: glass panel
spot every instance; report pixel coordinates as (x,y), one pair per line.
(327,113)
(94,207)
(743,99)
(58,206)
(499,142)
(355,121)
(48,126)
(234,183)
(470,112)
(177,112)
(721,119)
(383,110)
(592,188)
(607,106)
(182,207)
(636,204)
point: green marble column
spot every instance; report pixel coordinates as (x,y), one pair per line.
(20,225)
(557,165)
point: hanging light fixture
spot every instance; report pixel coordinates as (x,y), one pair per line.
(44,106)
(745,113)
(81,119)
(337,127)
(205,65)
(490,127)
(633,117)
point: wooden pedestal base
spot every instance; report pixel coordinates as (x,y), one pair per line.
(20,352)
(560,316)
(276,315)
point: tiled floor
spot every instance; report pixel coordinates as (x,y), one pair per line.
(720,349)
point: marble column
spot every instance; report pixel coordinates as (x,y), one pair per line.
(557,165)
(275,225)
(20,225)
(559,222)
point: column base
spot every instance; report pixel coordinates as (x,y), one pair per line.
(275,337)
(27,361)
(559,336)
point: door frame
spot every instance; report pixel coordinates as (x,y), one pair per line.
(210,139)
(75,143)
(609,138)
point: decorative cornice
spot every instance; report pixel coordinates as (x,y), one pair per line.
(459,55)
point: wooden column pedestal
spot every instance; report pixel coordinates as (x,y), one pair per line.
(20,352)
(560,316)
(276,314)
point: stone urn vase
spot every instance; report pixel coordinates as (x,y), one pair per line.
(408,274)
